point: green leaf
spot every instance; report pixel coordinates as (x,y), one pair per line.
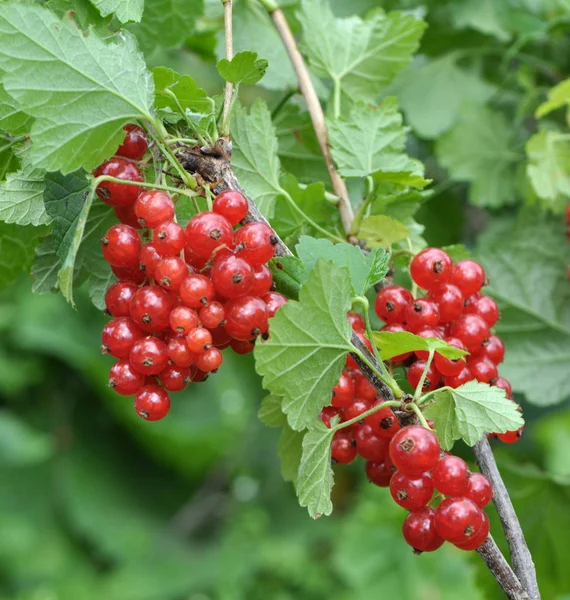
(17,245)
(361,55)
(392,344)
(12,119)
(99,283)
(305,353)
(558,96)
(244,68)
(21,445)
(186,90)
(457,252)
(379,231)
(289,450)
(45,268)
(371,139)
(362,268)
(528,266)
(270,412)
(315,479)
(9,162)
(288,275)
(255,157)
(412,178)
(432,94)
(475,409)
(124,10)
(21,198)
(63,79)
(486,16)
(479,150)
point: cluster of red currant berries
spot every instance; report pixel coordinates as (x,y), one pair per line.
(183,295)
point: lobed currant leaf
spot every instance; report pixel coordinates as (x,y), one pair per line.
(21,198)
(12,118)
(124,10)
(190,97)
(558,96)
(392,344)
(457,252)
(244,68)
(289,450)
(45,267)
(288,275)
(380,231)
(270,412)
(485,16)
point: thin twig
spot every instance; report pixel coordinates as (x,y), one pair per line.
(229,89)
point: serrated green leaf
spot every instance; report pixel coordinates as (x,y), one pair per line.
(478,408)
(63,78)
(21,199)
(244,68)
(186,90)
(17,246)
(124,10)
(254,156)
(9,162)
(412,178)
(289,450)
(391,202)
(315,479)
(12,119)
(45,268)
(270,412)
(362,55)
(371,139)
(479,150)
(362,268)
(443,414)
(305,353)
(99,283)
(558,96)
(288,275)
(83,12)
(379,231)
(392,344)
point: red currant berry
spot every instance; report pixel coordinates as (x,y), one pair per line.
(397,328)
(343,392)
(484,306)
(262,280)
(504,384)
(493,349)
(183,319)
(195,261)
(364,389)
(118,336)
(380,472)
(220,337)
(124,379)
(482,369)
(384,421)
(479,489)
(232,276)
(427,333)
(391,303)
(149,257)
(430,268)
(327,414)
(118,194)
(358,407)
(148,355)
(196,291)
(273,301)
(255,243)
(356,322)
(210,360)
(118,298)
(154,207)
(449,300)
(169,238)
(171,272)
(199,340)
(126,215)
(421,314)
(343,447)
(369,444)
(128,274)
(175,378)
(458,380)
(232,205)
(152,403)
(150,308)
(246,318)
(511,437)
(451,475)
(121,246)
(213,315)
(415,371)
(198,376)
(411,492)
(207,231)
(450,367)
(419,530)
(414,450)
(478,539)
(135,143)
(457,520)
(472,330)
(179,353)
(240,347)
(468,276)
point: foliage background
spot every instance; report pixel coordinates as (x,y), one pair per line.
(95,503)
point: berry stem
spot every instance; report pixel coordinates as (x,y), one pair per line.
(370,411)
(423,399)
(418,392)
(189,122)
(419,414)
(375,367)
(153,186)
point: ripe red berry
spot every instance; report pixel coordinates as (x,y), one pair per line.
(415,371)
(468,276)
(198,376)
(356,322)
(232,205)
(451,475)
(240,347)
(199,340)
(343,392)
(449,300)
(391,303)
(384,421)
(195,261)
(128,274)
(472,330)
(210,360)
(504,384)
(149,257)
(213,315)
(411,492)
(369,444)
(183,319)
(327,414)
(421,314)
(126,215)
(511,437)
(118,336)
(364,389)
(118,298)
(232,276)
(150,308)
(430,268)
(152,403)
(121,246)
(170,273)
(255,243)
(414,450)
(124,379)
(118,194)
(397,328)
(493,349)
(154,207)
(450,367)
(457,520)
(273,301)
(427,333)
(246,318)
(482,369)
(343,447)
(148,355)
(135,143)
(458,380)
(175,378)
(262,280)
(419,530)
(169,238)
(484,306)
(474,542)
(220,337)
(179,353)
(479,489)
(380,472)
(357,408)
(196,291)
(207,231)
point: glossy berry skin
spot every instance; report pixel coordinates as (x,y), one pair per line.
(135,143)
(430,268)
(150,308)
(199,340)
(183,319)
(121,246)
(343,448)
(364,389)
(479,489)
(472,330)
(197,376)
(451,475)
(369,444)
(220,337)
(411,492)
(419,530)
(449,300)
(210,360)
(421,314)
(511,437)
(482,369)
(504,384)
(358,407)
(273,302)
(232,276)
(232,205)
(246,318)
(179,353)
(196,291)
(118,298)
(414,375)
(170,273)
(213,315)
(262,280)
(468,276)
(396,328)
(207,231)
(154,207)
(169,238)
(449,367)
(427,333)
(240,347)
(478,539)
(125,380)
(118,337)
(380,472)
(484,306)
(356,322)
(255,243)
(126,215)
(414,450)
(148,355)
(493,349)
(457,520)
(175,378)
(149,257)
(384,421)
(343,392)
(391,303)
(128,274)
(458,380)
(152,403)
(118,194)
(327,414)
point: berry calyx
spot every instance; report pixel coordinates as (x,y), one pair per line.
(232,276)
(169,238)
(196,290)
(150,308)
(457,520)
(391,304)
(207,231)
(246,318)
(148,355)
(183,319)
(170,273)
(411,492)
(421,314)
